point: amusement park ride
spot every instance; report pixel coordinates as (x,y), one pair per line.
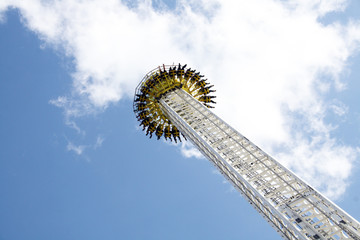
(173,102)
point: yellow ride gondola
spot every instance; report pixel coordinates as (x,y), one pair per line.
(159,82)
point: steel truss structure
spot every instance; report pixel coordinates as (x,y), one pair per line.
(292,207)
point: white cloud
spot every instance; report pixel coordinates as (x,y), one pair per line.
(321,162)
(339,108)
(77,149)
(188,150)
(186,147)
(80,149)
(99,142)
(319,7)
(72,108)
(272,62)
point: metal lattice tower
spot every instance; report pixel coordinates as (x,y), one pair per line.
(292,207)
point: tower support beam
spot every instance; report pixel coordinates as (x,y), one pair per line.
(292,207)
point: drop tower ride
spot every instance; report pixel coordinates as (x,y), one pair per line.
(173,102)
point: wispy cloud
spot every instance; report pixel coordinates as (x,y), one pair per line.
(80,149)
(339,108)
(186,147)
(99,142)
(76,149)
(273,64)
(188,150)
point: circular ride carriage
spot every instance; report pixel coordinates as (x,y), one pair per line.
(160,81)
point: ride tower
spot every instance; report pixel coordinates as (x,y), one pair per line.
(173,102)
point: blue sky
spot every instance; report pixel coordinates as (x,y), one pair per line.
(73,163)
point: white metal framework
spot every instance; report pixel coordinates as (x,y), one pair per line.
(292,207)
